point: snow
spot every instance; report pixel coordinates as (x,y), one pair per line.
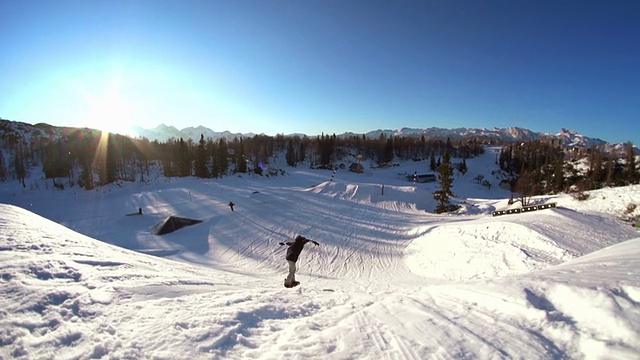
(80,279)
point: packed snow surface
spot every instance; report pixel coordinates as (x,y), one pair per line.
(390,280)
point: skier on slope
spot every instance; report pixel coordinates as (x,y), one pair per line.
(293,251)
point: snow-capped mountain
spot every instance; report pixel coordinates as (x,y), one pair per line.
(163,132)
(499,134)
(571,138)
(568,138)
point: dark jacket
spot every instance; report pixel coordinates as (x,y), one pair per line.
(295,248)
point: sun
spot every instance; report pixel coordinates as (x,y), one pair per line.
(109,111)
(111,115)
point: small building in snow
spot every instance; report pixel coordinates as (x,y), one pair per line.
(356,168)
(422,178)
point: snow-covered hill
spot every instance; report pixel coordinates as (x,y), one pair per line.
(389,280)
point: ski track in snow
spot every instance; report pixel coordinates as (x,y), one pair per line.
(389,280)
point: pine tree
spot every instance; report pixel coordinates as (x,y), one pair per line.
(19,165)
(326,148)
(291,154)
(445,176)
(222,153)
(213,153)
(55,161)
(610,167)
(388,151)
(241,165)
(184,160)
(432,162)
(110,170)
(3,168)
(169,158)
(201,159)
(558,176)
(302,152)
(86,175)
(463,166)
(594,173)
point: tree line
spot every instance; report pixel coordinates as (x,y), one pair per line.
(89,158)
(545,167)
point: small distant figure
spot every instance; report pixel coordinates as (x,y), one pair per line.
(293,251)
(231,205)
(140,211)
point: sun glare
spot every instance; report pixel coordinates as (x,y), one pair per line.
(109,112)
(112,117)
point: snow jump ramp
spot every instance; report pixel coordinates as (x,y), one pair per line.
(173,223)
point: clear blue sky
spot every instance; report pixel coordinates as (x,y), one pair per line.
(329,66)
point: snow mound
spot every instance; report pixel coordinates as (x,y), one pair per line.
(65,295)
(388,197)
(480,251)
(596,294)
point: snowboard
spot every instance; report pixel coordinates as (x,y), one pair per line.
(294,284)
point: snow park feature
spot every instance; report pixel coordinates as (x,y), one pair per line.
(391,279)
(173,223)
(524,209)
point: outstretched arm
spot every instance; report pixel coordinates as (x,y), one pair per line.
(309,240)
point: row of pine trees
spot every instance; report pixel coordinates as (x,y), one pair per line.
(552,169)
(89,158)
(92,158)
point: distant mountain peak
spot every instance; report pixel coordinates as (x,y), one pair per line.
(571,138)
(164,132)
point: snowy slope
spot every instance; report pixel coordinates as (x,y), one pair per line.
(389,279)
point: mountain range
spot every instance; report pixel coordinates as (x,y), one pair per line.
(569,138)
(163,132)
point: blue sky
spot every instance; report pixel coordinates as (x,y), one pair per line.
(329,66)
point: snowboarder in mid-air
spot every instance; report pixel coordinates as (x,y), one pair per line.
(293,251)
